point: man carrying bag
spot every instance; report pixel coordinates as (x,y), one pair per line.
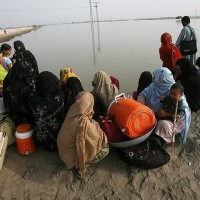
(186,41)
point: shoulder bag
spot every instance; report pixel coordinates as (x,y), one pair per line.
(147,155)
(188,47)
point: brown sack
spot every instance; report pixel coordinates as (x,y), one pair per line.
(7,126)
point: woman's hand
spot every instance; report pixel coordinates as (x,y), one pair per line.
(162,113)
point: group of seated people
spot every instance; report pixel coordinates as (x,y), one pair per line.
(63,115)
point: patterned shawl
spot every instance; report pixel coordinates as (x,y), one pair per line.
(19,84)
(47,105)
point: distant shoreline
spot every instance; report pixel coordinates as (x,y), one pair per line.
(7,34)
(115,20)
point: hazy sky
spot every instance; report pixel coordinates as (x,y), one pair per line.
(29,12)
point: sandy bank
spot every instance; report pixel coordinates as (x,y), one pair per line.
(42,175)
(10,33)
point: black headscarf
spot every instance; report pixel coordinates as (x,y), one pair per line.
(71,89)
(46,84)
(187,68)
(144,81)
(19,46)
(190,79)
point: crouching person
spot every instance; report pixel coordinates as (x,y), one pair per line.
(80,141)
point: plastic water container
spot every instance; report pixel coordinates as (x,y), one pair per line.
(133,118)
(24,139)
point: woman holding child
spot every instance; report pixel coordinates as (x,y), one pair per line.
(162,82)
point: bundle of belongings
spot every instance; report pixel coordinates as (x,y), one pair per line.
(129,128)
(3,146)
(7,132)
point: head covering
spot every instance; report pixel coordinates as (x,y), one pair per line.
(187,68)
(19,46)
(190,79)
(71,89)
(46,84)
(169,53)
(144,81)
(25,59)
(166,39)
(162,81)
(115,81)
(80,137)
(104,88)
(65,73)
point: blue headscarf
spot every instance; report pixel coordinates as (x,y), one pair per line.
(162,81)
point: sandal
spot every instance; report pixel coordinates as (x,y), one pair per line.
(78,175)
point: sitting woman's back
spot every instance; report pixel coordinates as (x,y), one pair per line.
(190,79)
(47,105)
(71,88)
(104,93)
(81,141)
(144,81)
(19,84)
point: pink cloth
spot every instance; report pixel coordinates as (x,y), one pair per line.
(165,129)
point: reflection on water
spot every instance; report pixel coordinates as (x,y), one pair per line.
(127,48)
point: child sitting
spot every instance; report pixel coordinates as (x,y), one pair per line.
(176,119)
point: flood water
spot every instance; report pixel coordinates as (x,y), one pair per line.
(123,49)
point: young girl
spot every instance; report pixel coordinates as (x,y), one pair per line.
(6,51)
(169,108)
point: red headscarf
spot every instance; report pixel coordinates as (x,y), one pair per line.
(169,53)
